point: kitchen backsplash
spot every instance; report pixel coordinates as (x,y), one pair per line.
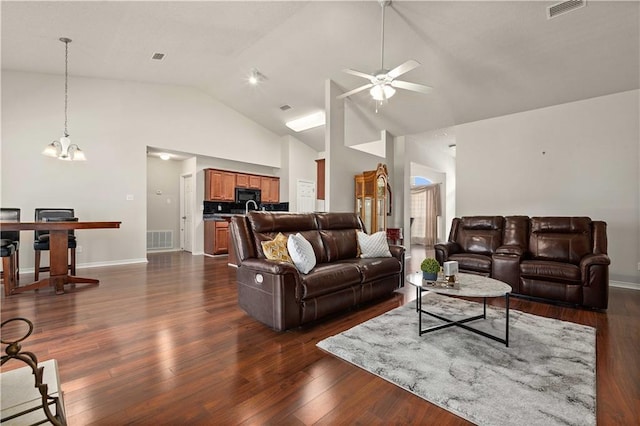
(213,207)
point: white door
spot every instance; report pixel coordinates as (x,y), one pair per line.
(305,196)
(186,223)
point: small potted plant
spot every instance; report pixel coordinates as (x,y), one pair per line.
(430,268)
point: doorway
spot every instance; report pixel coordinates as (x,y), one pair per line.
(186,213)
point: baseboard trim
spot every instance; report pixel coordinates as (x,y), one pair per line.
(623,284)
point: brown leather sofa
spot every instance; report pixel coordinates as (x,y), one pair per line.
(558,259)
(278,295)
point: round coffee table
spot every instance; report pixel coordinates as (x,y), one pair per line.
(467,285)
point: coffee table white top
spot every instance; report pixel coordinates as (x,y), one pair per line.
(470,286)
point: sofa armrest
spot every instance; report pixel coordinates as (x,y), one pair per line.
(270,292)
(510,250)
(399,253)
(444,250)
(505,265)
(594,269)
(269,266)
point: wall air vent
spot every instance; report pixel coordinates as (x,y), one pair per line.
(564,7)
(158,56)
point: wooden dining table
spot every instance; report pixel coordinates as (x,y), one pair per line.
(58,251)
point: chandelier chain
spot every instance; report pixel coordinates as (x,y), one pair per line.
(66,84)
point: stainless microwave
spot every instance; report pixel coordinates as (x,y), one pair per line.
(243,195)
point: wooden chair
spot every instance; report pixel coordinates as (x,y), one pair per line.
(41,238)
(12,215)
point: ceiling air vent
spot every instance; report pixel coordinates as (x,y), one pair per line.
(564,7)
(158,56)
(285,107)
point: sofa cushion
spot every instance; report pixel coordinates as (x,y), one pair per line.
(276,249)
(480,234)
(562,239)
(554,271)
(301,253)
(374,245)
(329,277)
(375,268)
(339,244)
(472,262)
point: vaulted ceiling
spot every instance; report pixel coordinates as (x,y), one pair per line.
(483,59)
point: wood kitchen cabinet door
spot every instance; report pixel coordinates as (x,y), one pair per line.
(270,187)
(221,185)
(242,180)
(254,182)
(221,239)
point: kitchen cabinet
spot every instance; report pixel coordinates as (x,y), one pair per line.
(220,185)
(254,182)
(244,180)
(270,187)
(320,176)
(216,237)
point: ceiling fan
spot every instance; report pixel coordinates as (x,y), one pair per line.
(382,83)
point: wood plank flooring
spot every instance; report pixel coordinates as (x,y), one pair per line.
(165,343)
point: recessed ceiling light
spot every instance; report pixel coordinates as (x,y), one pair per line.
(165,156)
(307,122)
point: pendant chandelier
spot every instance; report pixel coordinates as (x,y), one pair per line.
(63,149)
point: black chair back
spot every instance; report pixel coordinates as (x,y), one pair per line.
(53,215)
(10,215)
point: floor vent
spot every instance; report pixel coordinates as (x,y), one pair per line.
(564,7)
(157,240)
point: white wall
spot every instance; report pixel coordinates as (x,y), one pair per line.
(113,122)
(300,159)
(342,162)
(575,159)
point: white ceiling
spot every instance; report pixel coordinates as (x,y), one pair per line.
(483,59)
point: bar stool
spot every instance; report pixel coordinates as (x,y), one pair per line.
(41,240)
(12,215)
(8,253)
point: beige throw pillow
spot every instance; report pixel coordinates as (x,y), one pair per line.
(276,249)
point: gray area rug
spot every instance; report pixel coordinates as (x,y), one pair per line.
(545,377)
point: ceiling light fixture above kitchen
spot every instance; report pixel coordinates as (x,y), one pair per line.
(165,156)
(307,122)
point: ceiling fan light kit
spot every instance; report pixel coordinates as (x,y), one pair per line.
(382,83)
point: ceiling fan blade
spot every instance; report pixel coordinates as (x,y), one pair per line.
(360,74)
(411,86)
(351,92)
(403,68)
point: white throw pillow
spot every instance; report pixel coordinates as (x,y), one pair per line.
(301,253)
(374,245)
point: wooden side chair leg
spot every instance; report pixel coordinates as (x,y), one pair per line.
(73,261)
(37,268)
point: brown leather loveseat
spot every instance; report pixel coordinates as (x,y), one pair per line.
(562,259)
(278,295)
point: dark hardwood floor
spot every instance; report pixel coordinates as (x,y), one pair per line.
(165,343)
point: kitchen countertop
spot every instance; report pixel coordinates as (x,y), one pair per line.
(219,216)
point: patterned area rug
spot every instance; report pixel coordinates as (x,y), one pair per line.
(545,377)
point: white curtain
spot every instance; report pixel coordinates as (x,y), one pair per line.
(425,209)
